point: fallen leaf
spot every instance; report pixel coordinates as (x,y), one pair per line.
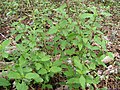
(107,59)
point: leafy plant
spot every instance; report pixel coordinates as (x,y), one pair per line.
(35,57)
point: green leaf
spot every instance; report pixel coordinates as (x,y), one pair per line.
(31,75)
(73,80)
(14,75)
(71,36)
(106,14)
(77,62)
(61,9)
(20,47)
(80,45)
(75,42)
(22,61)
(103,44)
(38,66)
(47,86)
(85,40)
(70,51)
(18,37)
(69,73)
(97,39)
(63,44)
(5,55)
(105,88)
(42,71)
(36,12)
(14,24)
(4,82)
(57,63)
(45,58)
(85,69)
(34,76)
(19,69)
(110,54)
(95,48)
(6,43)
(55,69)
(21,86)
(63,23)
(96,80)
(86,15)
(89,79)
(92,66)
(82,81)
(53,30)
(79,71)
(27,69)
(65,32)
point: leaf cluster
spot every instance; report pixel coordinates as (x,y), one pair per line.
(52,33)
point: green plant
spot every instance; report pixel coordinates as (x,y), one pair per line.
(37,48)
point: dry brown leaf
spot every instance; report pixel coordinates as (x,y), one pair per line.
(107,59)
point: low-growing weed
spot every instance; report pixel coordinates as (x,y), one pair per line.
(55,43)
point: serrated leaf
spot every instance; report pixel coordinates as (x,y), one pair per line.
(21,86)
(14,75)
(82,81)
(4,82)
(55,69)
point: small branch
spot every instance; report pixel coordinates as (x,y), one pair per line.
(2,35)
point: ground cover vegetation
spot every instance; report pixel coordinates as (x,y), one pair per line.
(47,44)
